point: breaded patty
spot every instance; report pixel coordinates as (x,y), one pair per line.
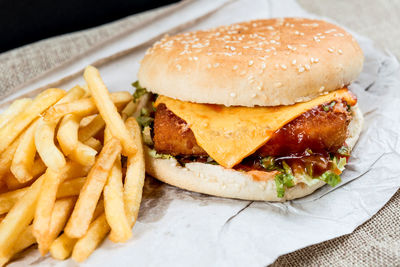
(318,129)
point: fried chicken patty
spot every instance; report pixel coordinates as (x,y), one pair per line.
(319,129)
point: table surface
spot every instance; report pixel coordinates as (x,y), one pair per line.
(375,243)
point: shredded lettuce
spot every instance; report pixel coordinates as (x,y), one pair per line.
(330,178)
(146,134)
(284,180)
(144,119)
(156,155)
(139,92)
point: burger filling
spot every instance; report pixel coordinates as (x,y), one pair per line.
(309,148)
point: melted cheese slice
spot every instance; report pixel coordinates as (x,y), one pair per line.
(229,134)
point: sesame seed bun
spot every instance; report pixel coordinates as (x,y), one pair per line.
(262,62)
(219,181)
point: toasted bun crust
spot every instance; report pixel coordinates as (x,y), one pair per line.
(262,62)
(218,181)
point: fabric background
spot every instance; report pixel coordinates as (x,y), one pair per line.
(375,243)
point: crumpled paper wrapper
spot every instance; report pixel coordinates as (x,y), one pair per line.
(181,228)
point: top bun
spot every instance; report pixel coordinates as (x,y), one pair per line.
(262,62)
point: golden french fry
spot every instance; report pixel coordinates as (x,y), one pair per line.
(94,143)
(38,169)
(8,199)
(90,130)
(67,134)
(86,120)
(128,110)
(44,141)
(46,200)
(19,217)
(62,210)
(91,191)
(13,110)
(24,156)
(14,128)
(83,107)
(25,240)
(108,110)
(135,174)
(71,187)
(91,240)
(83,154)
(114,205)
(95,127)
(7,156)
(62,247)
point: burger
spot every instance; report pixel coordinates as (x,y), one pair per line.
(258,110)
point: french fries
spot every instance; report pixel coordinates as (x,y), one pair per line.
(67,134)
(89,242)
(135,175)
(91,191)
(13,110)
(63,182)
(90,130)
(18,218)
(84,106)
(62,210)
(24,156)
(14,128)
(108,110)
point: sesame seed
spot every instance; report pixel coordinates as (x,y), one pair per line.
(251,62)
(340,51)
(263,65)
(195,58)
(233,48)
(232,94)
(209,66)
(301,69)
(316,60)
(235,67)
(259,88)
(307,66)
(294,62)
(253,95)
(283,66)
(278,84)
(322,88)
(330,50)
(179,67)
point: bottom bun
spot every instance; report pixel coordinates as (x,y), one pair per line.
(218,181)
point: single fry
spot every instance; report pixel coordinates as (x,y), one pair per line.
(135,175)
(19,217)
(91,240)
(94,143)
(13,110)
(108,110)
(25,240)
(7,156)
(71,187)
(67,134)
(38,169)
(8,199)
(83,107)
(114,205)
(91,191)
(128,110)
(62,210)
(44,141)
(24,156)
(62,247)
(83,154)
(14,128)
(90,130)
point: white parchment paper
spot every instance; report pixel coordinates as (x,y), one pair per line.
(180,228)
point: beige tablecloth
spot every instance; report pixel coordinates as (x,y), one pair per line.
(375,243)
